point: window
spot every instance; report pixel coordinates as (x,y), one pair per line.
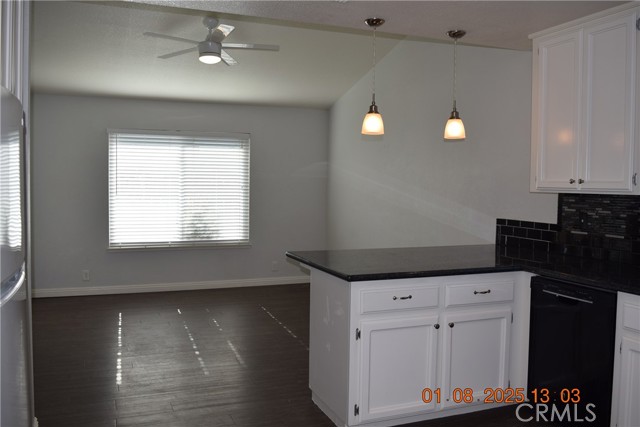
(171,189)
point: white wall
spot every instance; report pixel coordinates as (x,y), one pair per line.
(408,187)
(70,200)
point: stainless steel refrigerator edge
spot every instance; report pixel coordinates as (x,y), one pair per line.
(14,311)
(16,377)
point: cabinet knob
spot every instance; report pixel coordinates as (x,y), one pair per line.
(581,181)
(451,325)
(437,326)
(572,181)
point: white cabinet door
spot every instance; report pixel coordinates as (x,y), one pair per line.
(475,354)
(609,102)
(398,361)
(628,407)
(625,410)
(584,111)
(557,132)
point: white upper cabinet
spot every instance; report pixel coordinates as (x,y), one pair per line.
(585,95)
(558,131)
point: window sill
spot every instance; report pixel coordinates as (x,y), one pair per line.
(163,247)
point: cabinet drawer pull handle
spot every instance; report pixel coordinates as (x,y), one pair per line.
(488,291)
(581,181)
(407,297)
(437,326)
(451,325)
(572,181)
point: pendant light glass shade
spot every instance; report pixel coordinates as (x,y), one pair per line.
(372,123)
(454,129)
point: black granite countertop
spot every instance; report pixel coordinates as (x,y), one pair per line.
(397,263)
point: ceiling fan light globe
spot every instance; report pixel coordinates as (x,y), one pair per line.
(209,52)
(209,59)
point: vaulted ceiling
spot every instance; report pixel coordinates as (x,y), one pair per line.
(98,48)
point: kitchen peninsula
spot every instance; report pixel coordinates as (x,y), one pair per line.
(409,334)
(387,325)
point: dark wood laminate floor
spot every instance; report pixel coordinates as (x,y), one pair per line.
(227,357)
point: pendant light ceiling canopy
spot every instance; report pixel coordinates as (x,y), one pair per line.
(372,123)
(454,129)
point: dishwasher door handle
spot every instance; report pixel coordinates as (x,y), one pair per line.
(567,296)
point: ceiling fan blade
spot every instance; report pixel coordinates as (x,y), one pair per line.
(226,29)
(253,46)
(178,53)
(227,59)
(164,36)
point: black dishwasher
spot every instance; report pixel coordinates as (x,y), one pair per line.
(571,351)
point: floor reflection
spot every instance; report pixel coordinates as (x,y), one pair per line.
(119,354)
(194,345)
(283,326)
(235,352)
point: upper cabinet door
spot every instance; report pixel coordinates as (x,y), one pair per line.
(558,112)
(585,100)
(609,104)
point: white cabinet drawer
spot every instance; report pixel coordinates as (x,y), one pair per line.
(399,299)
(478,293)
(631,316)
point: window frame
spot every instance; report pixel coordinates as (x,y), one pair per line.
(240,137)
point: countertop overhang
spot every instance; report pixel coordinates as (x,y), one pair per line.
(355,265)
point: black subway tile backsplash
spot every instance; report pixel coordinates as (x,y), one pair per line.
(533,234)
(519,232)
(525,235)
(549,236)
(595,226)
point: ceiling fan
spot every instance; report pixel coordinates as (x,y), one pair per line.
(211,49)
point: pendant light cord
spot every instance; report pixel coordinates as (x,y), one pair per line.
(373,80)
(455,46)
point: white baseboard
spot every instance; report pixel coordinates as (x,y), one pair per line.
(166,287)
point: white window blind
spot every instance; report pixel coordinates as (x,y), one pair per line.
(178,189)
(11,192)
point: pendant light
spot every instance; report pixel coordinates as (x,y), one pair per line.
(454,129)
(372,123)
